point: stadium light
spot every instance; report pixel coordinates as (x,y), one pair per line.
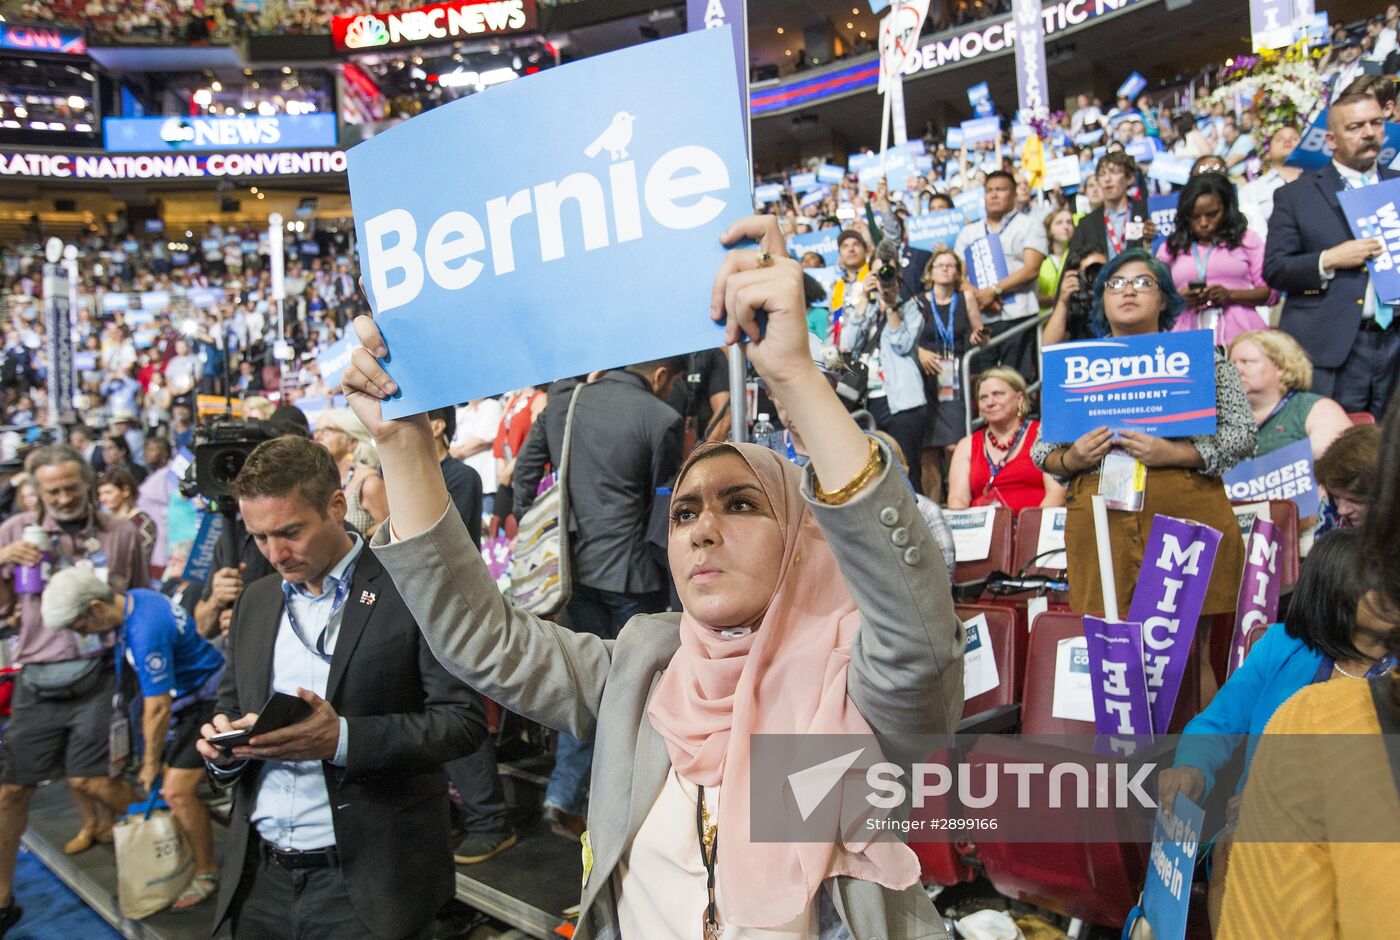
(496,76)
(458,79)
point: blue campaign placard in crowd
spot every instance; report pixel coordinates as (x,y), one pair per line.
(1132,86)
(200,563)
(986,261)
(1161,383)
(931,229)
(1286,473)
(972,203)
(1162,211)
(1371,212)
(627,201)
(859,161)
(980,97)
(768,192)
(955,138)
(1171,867)
(803,182)
(1312,151)
(335,358)
(830,173)
(980,129)
(1144,151)
(823,242)
(1168,168)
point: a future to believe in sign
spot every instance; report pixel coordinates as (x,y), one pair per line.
(438,22)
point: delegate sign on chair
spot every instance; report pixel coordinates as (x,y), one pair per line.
(561,223)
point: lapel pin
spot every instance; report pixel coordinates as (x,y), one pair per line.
(366,597)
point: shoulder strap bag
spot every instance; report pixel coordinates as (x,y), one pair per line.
(541,570)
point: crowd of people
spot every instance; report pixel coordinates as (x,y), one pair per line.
(228,20)
(395,638)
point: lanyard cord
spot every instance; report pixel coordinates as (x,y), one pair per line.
(709,852)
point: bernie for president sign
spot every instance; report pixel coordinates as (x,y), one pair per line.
(562,223)
(1160,383)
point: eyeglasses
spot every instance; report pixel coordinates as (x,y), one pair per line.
(1116,285)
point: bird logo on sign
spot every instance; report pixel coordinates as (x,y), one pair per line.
(615,139)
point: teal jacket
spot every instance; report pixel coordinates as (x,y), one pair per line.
(1275,668)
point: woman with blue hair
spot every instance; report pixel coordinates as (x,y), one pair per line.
(1134,296)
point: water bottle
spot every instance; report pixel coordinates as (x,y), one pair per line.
(30,579)
(765,435)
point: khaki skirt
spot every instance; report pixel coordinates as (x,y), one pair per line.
(1172,491)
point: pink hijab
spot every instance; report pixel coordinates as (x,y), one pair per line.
(787,676)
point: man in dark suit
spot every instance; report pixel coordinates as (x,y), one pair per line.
(340,821)
(626,443)
(1332,310)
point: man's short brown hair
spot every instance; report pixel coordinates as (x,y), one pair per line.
(289,465)
(1349,463)
(1121,160)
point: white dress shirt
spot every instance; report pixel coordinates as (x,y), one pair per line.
(293,810)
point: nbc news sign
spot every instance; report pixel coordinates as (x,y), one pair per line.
(437,22)
(190,133)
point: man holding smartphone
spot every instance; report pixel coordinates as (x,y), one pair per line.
(340,824)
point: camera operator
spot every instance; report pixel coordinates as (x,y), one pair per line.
(1069,320)
(884,336)
(63,698)
(230,573)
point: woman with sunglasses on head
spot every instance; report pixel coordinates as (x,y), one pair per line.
(1134,296)
(813,601)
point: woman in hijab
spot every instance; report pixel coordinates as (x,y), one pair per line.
(814,601)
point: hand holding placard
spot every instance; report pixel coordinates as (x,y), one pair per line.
(743,290)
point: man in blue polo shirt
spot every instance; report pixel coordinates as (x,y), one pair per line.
(178,671)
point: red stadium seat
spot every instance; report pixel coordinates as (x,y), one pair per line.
(1361,417)
(1095,881)
(1098,882)
(999,556)
(1008,644)
(1038,694)
(1255,634)
(1024,553)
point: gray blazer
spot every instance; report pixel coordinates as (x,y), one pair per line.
(905,677)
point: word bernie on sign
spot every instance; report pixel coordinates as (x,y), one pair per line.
(1160,383)
(472,236)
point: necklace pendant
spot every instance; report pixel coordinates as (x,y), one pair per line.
(710,928)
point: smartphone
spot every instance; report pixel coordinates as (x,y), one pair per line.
(1135,229)
(280,711)
(1196,286)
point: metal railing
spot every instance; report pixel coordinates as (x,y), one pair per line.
(965,375)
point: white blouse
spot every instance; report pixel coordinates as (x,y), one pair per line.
(660,881)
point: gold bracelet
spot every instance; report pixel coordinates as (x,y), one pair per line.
(872,467)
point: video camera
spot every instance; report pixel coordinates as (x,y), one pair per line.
(221,448)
